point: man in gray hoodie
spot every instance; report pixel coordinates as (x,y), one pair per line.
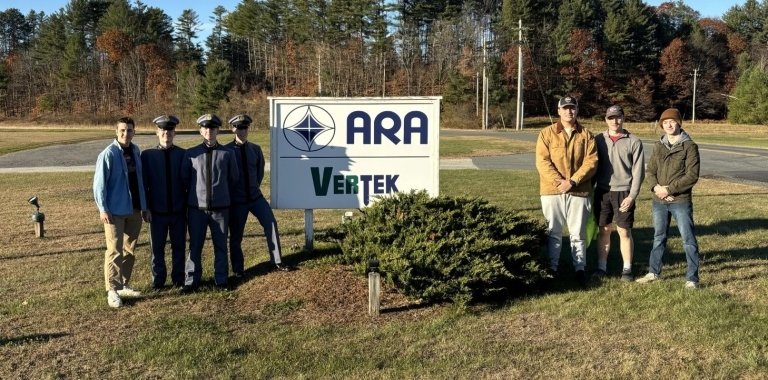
(673,170)
(619,177)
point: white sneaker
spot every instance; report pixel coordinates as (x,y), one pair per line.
(650,277)
(128,292)
(692,285)
(113,299)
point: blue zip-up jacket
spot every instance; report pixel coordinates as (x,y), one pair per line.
(110,181)
(209,175)
(248,187)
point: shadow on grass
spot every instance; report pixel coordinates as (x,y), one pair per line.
(644,241)
(293,260)
(410,307)
(33,338)
(53,253)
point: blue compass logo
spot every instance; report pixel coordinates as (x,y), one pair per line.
(309,128)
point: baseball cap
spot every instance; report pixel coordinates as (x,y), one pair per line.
(567,101)
(614,110)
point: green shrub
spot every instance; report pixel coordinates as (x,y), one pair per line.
(444,248)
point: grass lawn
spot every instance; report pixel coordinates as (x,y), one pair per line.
(312,323)
(14,140)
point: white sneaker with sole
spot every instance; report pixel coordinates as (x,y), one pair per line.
(128,292)
(113,299)
(692,285)
(650,277)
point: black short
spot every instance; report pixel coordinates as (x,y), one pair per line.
(606,207)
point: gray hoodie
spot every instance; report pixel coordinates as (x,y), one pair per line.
(620,164)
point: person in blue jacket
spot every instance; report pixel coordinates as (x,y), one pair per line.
(166,202)
(247,197)
(118,189)
(208,172)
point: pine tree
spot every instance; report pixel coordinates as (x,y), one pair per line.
(187,50)
(749,102)
(214,87)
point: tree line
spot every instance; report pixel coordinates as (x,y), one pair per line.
(94,59)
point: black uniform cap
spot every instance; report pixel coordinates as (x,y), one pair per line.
(209,120)
(240,121)
(167,122)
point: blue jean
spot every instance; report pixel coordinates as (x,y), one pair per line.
(683,213)
(238,216)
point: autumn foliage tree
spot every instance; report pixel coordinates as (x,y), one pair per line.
(676,69)
(94,57)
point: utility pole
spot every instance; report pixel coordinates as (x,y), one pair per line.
(485,84)
(519,118)
(693,111)
(477,94)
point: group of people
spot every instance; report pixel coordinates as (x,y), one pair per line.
(214,187)
(579,171)
(208,187)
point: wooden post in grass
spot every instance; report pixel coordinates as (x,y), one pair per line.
(374,288)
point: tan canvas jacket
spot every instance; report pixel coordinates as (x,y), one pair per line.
(558,157)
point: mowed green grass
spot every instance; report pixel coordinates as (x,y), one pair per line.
(312,323)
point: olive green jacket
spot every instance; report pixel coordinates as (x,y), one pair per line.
(676,167)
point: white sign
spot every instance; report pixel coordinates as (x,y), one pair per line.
(343,152)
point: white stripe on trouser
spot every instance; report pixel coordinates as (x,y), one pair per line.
(560,210)
(276,252)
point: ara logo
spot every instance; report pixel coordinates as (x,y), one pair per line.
(309,128)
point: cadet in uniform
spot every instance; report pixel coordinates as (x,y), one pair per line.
(247,197)
(166,202)
(209,172)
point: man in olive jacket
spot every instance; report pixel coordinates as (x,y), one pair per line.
(673,170)
(566,159)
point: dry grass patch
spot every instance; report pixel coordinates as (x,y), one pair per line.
(312,323)
(477,146)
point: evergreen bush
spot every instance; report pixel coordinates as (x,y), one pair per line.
(444,248)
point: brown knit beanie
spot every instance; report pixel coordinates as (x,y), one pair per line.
(671,113)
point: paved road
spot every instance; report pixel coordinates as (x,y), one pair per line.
(739,164)
(733,163)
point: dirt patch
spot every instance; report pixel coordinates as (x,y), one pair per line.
(327,295)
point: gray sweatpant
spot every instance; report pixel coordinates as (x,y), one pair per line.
(561,210)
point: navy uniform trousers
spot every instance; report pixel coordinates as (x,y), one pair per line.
(239,216)
(173,226)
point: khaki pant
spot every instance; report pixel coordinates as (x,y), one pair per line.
(121,239)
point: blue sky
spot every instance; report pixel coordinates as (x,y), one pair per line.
(707,8)
(172,8)
(204,8)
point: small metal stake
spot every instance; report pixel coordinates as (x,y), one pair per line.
(38,217)
(374,288)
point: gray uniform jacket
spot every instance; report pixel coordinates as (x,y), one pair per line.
(248,187)
(620,164)
(209,175)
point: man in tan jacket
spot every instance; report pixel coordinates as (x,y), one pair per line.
(566,159)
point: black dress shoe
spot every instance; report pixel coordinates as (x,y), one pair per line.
(283,268)
(581,278)
(186,289)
